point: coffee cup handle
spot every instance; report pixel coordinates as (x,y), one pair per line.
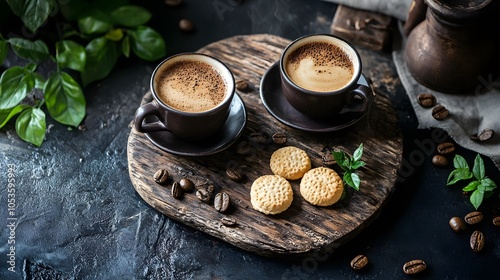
(148,109)
(362,91)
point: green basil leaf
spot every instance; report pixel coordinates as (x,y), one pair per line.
(358,153)
(70,54)
(478,169)
(355,181)
(101,58)
(131,16)
(35,13)
(64,99)
(339,157)
(147,44)
(4,49)
(357,164)
(94,22)
(36,51)
(460,162)
(15,83)
(39,80)
(6,115)
(126,46)
(458,175)
(30,126)
(476,198)
(488,184)
(115,34)
(472,186)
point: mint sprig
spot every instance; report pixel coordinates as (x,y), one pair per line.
(350,165)
(481,186)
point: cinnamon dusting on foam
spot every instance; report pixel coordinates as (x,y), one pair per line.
(190,86)
(319,66)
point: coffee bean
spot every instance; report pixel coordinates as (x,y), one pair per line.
(446,148)
(242,85)
(279,138)
(161,176)
(485,135)
(186,184)
(230,222)
(359,262)
(244,148)
(186,25)
(328,159)
(477,241)
(473,217)
(440,112)
(496,221)
(414,267)
(457,224)
(173,3)
(203,195)
(439,161)
(426,100)
(211,188)
(259,138)
(176,190)
(222,201)
(233,174)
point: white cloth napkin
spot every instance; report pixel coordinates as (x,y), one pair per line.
(470,113)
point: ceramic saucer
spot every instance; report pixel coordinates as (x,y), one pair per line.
(225,137)
(276,104)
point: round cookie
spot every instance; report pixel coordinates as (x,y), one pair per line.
(290,162)
(321,186)
(271,194)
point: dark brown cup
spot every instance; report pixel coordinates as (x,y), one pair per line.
(190,126)
(319,104)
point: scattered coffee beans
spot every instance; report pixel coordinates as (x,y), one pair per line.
(161,176)
(359,262)
(457,224)
(440,112)
(244,148)
(279,138)
(186,184)
(477,241)
(203,195)
(186,25)
(496,221)
(222,201)
(414,267)
(446,148)
(439,161)
(328,159)
(242,85)
(258,137)
(473,217)
(229,222)
(426,100)
(234,174)
(176,190)
(485,135)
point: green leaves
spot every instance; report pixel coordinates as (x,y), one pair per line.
(147,43)
(15,83)
(101,58)
(36,51)
(30,126)
(71,55)
(480,187)
(131,16)
(64,99)
(350,165)
(33,13)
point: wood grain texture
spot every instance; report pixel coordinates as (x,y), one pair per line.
(303,229)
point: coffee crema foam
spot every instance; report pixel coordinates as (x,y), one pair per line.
(319,66)
(191,86)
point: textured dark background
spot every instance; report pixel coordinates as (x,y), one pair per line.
(78,216)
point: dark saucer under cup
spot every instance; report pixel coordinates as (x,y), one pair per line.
(223,139)
(276,104)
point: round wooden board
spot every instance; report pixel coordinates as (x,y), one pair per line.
(303,229)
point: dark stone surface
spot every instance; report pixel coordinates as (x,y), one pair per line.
(78,216)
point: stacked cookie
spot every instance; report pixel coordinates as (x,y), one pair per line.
(273,194)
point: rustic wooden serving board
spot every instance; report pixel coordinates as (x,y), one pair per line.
(303,229)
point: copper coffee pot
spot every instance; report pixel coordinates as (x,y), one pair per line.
(455,45)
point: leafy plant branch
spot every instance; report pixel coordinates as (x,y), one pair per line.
(91,38)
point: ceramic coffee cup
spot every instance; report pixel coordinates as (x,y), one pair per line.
(319,76)
(192,95)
